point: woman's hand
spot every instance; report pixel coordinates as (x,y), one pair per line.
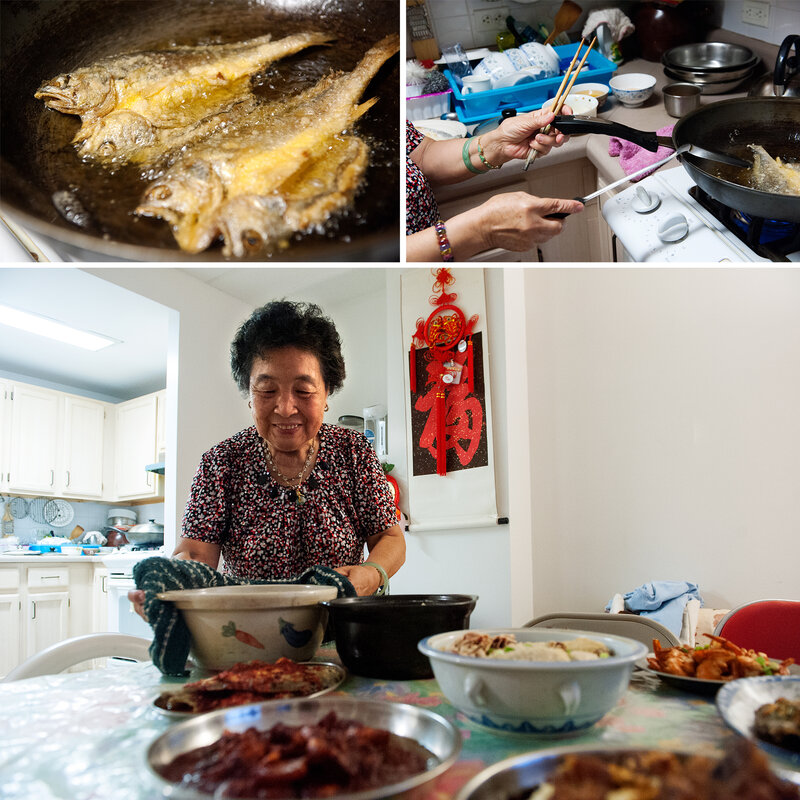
(136,596)
(515,136)
(366,580)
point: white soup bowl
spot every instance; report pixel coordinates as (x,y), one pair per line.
(632,89)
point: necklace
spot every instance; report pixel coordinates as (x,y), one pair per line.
(297,480)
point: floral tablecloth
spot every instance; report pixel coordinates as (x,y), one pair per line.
(84,736)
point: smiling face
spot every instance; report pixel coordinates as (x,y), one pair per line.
(288,396)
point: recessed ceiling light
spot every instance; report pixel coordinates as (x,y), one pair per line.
(52,329)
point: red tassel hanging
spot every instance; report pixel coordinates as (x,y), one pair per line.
(412,368)
(470,368)
(441,439)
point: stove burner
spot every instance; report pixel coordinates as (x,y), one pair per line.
(770,238)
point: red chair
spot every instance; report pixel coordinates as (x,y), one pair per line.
(769,626)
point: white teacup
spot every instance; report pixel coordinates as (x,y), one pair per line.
(475,83)
(495,66)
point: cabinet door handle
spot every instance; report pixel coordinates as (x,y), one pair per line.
(33,609)
(67,478)
(52,476)
(104,584)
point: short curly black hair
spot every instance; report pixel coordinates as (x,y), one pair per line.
(283,323)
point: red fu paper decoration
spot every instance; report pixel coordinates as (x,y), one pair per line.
(448,337)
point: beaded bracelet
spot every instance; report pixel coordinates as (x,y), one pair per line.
(444,243)
(384,587)
(483,157)
(468,161)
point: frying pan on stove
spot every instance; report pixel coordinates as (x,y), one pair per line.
(728,127)
(44,38)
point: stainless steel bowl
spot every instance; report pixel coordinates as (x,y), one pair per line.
(707,87)
(701,76)
(711,56)
(425,727)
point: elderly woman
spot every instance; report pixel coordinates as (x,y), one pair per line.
(291,491)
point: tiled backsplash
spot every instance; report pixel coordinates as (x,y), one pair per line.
(472,22)
(90,516)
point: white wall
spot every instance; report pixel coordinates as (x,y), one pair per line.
(203,404)
(784,19)
(665,432)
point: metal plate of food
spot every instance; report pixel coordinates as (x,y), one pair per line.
(395,747)
(766,711)
(532,776)
(261,683)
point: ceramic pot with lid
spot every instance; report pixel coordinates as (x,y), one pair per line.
(150,532)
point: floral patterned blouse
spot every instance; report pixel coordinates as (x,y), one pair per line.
(422,210)
(264,533)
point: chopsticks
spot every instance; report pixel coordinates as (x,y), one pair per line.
(563,91)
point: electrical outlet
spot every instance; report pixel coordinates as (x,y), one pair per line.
(755,12)
(489,20)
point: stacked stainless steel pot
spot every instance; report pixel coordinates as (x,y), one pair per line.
(716,67)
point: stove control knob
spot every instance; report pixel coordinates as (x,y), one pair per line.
(673,228)
(644,202)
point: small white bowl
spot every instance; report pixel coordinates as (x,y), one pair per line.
(229,624)
(597,90)
(632,89)
(540,698)
(582,105)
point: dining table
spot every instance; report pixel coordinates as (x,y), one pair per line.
(84,735)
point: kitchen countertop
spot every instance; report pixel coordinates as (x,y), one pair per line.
(50,558)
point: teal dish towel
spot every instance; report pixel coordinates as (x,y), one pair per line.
(171,640)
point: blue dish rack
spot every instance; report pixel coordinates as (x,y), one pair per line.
(478,106)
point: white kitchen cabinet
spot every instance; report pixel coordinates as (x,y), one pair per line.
(5,433)
(99,611)
(10,614)
(47,603)
(81,468)
(34,439)
(585,236)
(135,448)
(46,615)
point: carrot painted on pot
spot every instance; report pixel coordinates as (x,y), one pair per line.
(246,638)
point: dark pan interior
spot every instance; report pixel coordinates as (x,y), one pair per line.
(43,39)
(729,126)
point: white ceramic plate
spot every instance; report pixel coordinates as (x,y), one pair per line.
(738,701)
(441,128)
(338,674)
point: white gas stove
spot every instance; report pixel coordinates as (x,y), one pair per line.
(121,616)
(658,220)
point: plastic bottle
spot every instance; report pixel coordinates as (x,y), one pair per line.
(522,33)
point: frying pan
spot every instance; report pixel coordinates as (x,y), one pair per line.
(45,38)
(728,126)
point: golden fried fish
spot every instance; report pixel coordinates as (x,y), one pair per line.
(773,175)
(280,167)
(135,107)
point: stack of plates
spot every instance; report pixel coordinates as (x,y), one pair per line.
(716,67)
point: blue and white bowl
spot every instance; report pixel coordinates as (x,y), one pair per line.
(538,698)
(517,57)
(632,89)
(495,66)
(542,56)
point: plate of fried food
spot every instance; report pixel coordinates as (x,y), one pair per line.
(704,669)
(589,771)
(767,711)
(251,682)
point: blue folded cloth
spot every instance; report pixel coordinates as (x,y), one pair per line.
(171,640)
(663,601)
